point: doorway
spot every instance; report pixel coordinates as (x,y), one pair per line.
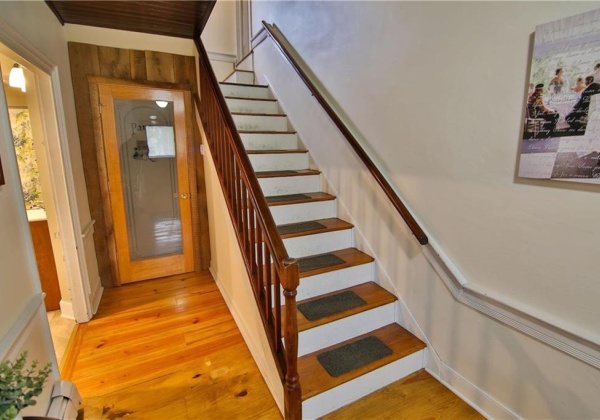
(28,133)
(147,142)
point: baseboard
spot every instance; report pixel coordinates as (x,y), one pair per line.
(477,398)
(96,295)
(259,357)
(66,310)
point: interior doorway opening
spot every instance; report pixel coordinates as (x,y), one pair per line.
(33,123)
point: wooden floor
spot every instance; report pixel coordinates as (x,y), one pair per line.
(166,348)
(169,349)
(418,396)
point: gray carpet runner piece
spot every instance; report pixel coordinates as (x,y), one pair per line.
(330,305)
(289,197)
(299,227)
(353,356)
(319,261)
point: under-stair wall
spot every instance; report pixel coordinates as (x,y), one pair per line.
(228,269)
(497,368)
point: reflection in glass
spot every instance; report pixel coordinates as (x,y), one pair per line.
(149,177)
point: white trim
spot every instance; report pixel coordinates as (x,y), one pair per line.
(218,56)
(259,357)
(486,405)
(66,310)
(12,340)
(96,295)
(580,345)
(87,229)
(259,37)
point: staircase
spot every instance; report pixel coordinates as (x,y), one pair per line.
(349,342)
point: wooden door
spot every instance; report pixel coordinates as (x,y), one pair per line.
(44,256)
(145,147)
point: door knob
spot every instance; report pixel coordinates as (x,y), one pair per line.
(184,196)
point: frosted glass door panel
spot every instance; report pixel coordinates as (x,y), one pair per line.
(149,178)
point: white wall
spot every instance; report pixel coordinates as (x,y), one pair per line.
(219,38)
(22,322)
(228,269)
(437,92)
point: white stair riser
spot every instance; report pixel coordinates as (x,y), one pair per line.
(246,91)
(334,280)
(319,243)
(279,161)
(241,77)
(304,212)
(290,184)
(275,141)
(252,107)
(344,329)
(260,123)
(337,397)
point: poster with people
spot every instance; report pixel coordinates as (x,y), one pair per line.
(561,132)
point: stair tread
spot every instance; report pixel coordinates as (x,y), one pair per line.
(351,257)
(315,379)
(286,199)
(243,98)
(282,173)
(258,114)
(243,84)
(274,151)
(373,294)
(329,225)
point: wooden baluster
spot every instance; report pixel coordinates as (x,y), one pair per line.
(293,395)
(277,297)
(252,242)
(268,281)
(245,227)
(260,266)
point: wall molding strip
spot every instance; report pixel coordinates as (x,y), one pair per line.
(87,229)
(10,341)
(218,56)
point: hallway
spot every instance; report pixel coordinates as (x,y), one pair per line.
(166,348)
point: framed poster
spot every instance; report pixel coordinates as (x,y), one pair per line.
(561,131)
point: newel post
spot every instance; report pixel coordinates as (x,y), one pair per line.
(292,393)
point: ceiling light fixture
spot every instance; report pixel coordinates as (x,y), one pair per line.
(16,77)
(162,104)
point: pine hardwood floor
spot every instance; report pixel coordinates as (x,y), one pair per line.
(166,348)
(169,349)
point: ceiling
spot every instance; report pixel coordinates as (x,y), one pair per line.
(183,19)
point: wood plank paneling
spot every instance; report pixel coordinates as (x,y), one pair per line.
(159,67)
(88,61)
(137,61)
(84,61)
(114,62)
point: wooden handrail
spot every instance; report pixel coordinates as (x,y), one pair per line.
(280,41)
(271,271)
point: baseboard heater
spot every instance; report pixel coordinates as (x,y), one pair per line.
(64,402)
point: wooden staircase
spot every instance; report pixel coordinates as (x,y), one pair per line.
(330,265)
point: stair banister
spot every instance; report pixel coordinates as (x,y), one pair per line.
(270,269)
(284,46)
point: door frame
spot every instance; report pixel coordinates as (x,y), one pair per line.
(94,89)
(47,81)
